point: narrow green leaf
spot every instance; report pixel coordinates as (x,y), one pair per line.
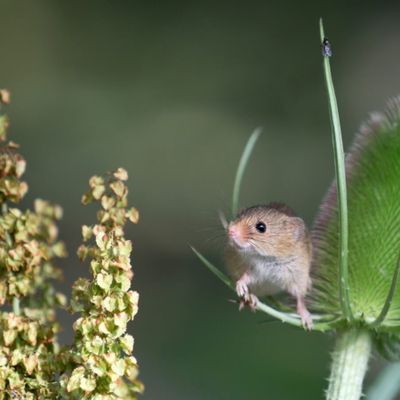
(241,168)
(214,270)
(389,298)
(340,172)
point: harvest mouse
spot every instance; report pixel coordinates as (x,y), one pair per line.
(269,250)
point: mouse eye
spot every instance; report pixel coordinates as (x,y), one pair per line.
(261,227)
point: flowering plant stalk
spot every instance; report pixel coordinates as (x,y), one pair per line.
(101,363)
(28,248)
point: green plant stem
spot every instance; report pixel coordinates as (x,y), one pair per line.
(349,365)
(340,172)
(241,168)
(283,317)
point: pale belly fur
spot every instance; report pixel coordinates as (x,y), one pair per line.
(269,275)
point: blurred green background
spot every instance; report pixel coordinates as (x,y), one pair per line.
(171,91)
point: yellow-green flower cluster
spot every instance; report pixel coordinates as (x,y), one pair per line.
(12,165)
(102,364)
(28,246)
(27,358)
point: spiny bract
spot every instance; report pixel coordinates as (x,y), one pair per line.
(373,182)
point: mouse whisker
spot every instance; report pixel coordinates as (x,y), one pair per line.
(220,239)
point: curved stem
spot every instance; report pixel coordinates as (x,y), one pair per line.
(291,319)
(389,298)
(340,173)
(349,365)
(241,168)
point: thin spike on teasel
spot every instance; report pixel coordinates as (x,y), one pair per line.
(340,174)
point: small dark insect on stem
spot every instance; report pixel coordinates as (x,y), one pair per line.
(326,48)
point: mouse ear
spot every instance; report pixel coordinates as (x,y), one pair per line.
(298,226)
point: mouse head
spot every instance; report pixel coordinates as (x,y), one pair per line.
(271,230)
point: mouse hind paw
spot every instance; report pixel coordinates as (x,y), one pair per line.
(306,318)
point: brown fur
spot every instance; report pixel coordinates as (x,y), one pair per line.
(286,237)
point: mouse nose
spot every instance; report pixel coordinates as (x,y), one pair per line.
(233,231)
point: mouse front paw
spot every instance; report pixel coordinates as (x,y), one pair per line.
(242,285)
(246,298)
(250,301)
(242,289)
